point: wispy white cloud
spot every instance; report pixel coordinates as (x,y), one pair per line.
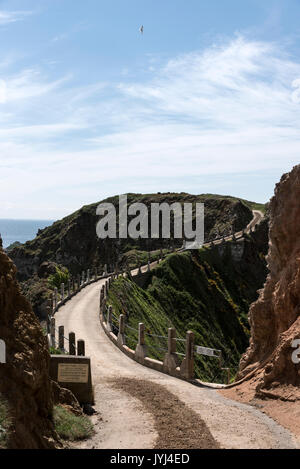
(25,85)
(230,86)
(230,109)
(7,17)
(60,37)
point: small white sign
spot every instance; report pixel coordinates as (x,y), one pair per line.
(2,351)
(209,352)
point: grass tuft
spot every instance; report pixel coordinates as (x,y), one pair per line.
(71,427)
(4,422)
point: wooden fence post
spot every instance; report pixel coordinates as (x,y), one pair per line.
(109,319)
(172,340)
(81,348)
(187,366)
(52,332)
(61,338)
(72,341)
(49,314)
(171,361)
(121,335)
(55,297)
(141,349)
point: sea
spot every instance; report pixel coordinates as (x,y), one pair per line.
(20,230)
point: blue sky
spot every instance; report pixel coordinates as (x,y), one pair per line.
(207,100)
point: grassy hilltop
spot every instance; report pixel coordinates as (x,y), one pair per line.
(72,242)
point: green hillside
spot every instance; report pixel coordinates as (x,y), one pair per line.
(72,242)
(201,291)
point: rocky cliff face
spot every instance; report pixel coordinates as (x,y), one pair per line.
(24,378)
(275,317)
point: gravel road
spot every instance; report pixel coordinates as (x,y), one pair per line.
(126,422)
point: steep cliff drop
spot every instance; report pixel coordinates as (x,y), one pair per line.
(267,369)
(24,378)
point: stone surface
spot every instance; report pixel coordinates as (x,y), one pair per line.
(24,378)
(83,391)
(66,398)
(275,317)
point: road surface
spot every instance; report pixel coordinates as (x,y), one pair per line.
(125,423)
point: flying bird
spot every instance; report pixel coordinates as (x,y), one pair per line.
(142,29)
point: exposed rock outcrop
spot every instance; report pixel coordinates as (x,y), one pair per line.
(24,378)
(275,317)
(65,398)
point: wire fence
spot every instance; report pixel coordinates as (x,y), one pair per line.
(156,344)
(131,336)
(115,329)
(215,368)
(56,343)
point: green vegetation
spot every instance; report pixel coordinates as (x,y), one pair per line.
(71,427)
(61,276)
(4,422)
(249,204)
(56,351)
(62,242)
(62,245)
(38,292)
(134,257)
(200,291)
(12,246)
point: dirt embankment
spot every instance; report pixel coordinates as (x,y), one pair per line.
(271,378)
(24,378)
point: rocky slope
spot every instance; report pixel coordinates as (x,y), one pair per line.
(24,378)
(207,291)
(275,317)
(72,242)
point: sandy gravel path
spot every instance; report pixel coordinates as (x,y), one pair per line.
(127,423)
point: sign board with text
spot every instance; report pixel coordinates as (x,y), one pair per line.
(72,373)
(209,352)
